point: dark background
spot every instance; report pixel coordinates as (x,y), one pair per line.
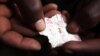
(69,5)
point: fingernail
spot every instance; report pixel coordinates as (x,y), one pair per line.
(40,25)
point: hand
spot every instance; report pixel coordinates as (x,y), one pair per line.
(14,33)
(86,18)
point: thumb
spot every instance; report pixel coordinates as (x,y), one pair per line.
(32,12)
(39,25)
(86,46)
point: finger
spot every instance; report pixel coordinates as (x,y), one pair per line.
(74,46)
(49,7)
(73,28)
(15,39)
(65,15)
(88,46)
(4,22)
(5,25)
(4,11)
(32,12)
(52,13)
(21,29)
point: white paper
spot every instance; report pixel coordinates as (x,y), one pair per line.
(56,31)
